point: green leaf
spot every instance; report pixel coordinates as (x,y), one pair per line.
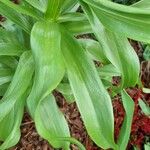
(126,127)
(147,146)
(95,49)
(9,61)
(51,123)
(146,90)
(8,35)
(39,4)
(117,49)
(3,88)
(19,84)
(78,27)
(19,19)
(73,141)
(12,103)
(145,108)
(129,21)
(123,55)
(146,53)
(65,90)
(49,65)
(53,9)
(89,92)
(108,71)
(22,9)
(12,41)
(5,76)
(142,4)
(11,125)
(11,49)
(72,16)
(68,5)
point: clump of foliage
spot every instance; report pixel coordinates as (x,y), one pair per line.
(39,53)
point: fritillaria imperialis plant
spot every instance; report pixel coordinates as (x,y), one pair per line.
(39,53)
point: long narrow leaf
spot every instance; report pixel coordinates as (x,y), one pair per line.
(12,103)
(53,9)
(95,49)
(18,86)
(10,49)
(49,65)
(39,4)
(68,5)
(117,49)
(11,126)
(89,92)
(142,4)
(9,61)
(17,18)
(51,124)
(22,9)
(129,21)
(126,127)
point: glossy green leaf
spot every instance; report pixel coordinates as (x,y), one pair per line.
(39,4)
(147,146)
(72,16)
(123,55)
(65,90)
(21,9)
(73,141)
(108,71)
(146,53)
(95,49)
(7,35)
(145,108)
(146,90)
(10,49)
(17,18)
(5,76)
(9,61)
(12,103)
(89,92)
(11,125)
(49,71)
(50,123)
(17,87)
(129,21)
(126,127)
(3,88)
(79,27)
(142,4)
(49,65)
(53,9)
(68,5)
(117,49)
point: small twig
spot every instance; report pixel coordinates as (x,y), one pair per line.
(27,123)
